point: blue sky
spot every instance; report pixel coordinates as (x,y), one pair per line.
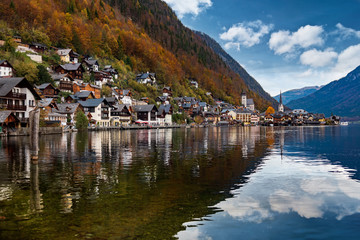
(283,44)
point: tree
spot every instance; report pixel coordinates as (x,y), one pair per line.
(106,91)
(270,110)
(43,75)
(81,120)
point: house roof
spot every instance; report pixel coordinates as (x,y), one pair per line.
(186,105)
(110,99)
(71,66)
(81,94)
(2,61)
(249,101)
(144,108)
(188,99)
(45,102)
(162,98)
(165,107)
(43,86)
(91,62)
(145,75)
(7,84)
(92,102)
(4,115)
(202,104)
(67,107)
(119,108)
(57,77)
(167,88)
(63,52)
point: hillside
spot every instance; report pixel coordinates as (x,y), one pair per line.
(133,36)
(339,97)
(294,94)
(252,84)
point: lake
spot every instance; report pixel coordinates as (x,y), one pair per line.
(199,183)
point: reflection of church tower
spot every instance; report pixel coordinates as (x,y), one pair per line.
(281,106)
(243,98)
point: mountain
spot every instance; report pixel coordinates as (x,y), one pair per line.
(133,36)
(340,97)
(252,84)
(294,94)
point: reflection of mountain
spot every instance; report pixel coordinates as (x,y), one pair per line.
(134,184)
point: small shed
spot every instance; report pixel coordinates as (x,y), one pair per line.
(8,121)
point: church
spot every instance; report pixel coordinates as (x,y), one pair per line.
(247,103)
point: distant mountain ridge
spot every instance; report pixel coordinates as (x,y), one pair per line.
(340,97)
(294,94)
(252,84)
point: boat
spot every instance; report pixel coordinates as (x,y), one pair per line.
(344,123)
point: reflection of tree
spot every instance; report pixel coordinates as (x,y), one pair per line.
(81,141)
(127,188)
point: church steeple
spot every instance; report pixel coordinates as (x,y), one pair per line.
(281,106)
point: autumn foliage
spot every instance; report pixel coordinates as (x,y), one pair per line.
(144,35)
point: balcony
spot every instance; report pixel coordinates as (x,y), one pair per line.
(13,107)
(105,117)
(16,95)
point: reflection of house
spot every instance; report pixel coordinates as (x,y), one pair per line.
(99,109)
(146,78)
(18,96)
(164,114)
(48,90)
(120,115)
(75,70)
(8,121)
(6,70)
(68,55)
(146,113)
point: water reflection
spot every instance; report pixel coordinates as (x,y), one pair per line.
(121,184)
(295,194)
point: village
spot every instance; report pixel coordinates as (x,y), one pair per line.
(68,93)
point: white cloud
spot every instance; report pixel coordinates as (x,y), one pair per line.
(283,42)
(347,61)
(245,34)
(345,32)
(193,7)
(316,58)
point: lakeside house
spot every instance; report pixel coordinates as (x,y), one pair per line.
(120,115)
(99,109)
(18,96)
(147,113)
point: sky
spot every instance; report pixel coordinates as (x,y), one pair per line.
(283,44)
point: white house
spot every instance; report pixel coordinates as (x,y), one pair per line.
(6,70)
(18,96)
(99,110)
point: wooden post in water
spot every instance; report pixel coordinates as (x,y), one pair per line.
(34,119)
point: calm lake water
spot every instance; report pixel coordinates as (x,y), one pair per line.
(207,183)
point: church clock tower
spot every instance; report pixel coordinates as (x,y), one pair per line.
(281,106)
